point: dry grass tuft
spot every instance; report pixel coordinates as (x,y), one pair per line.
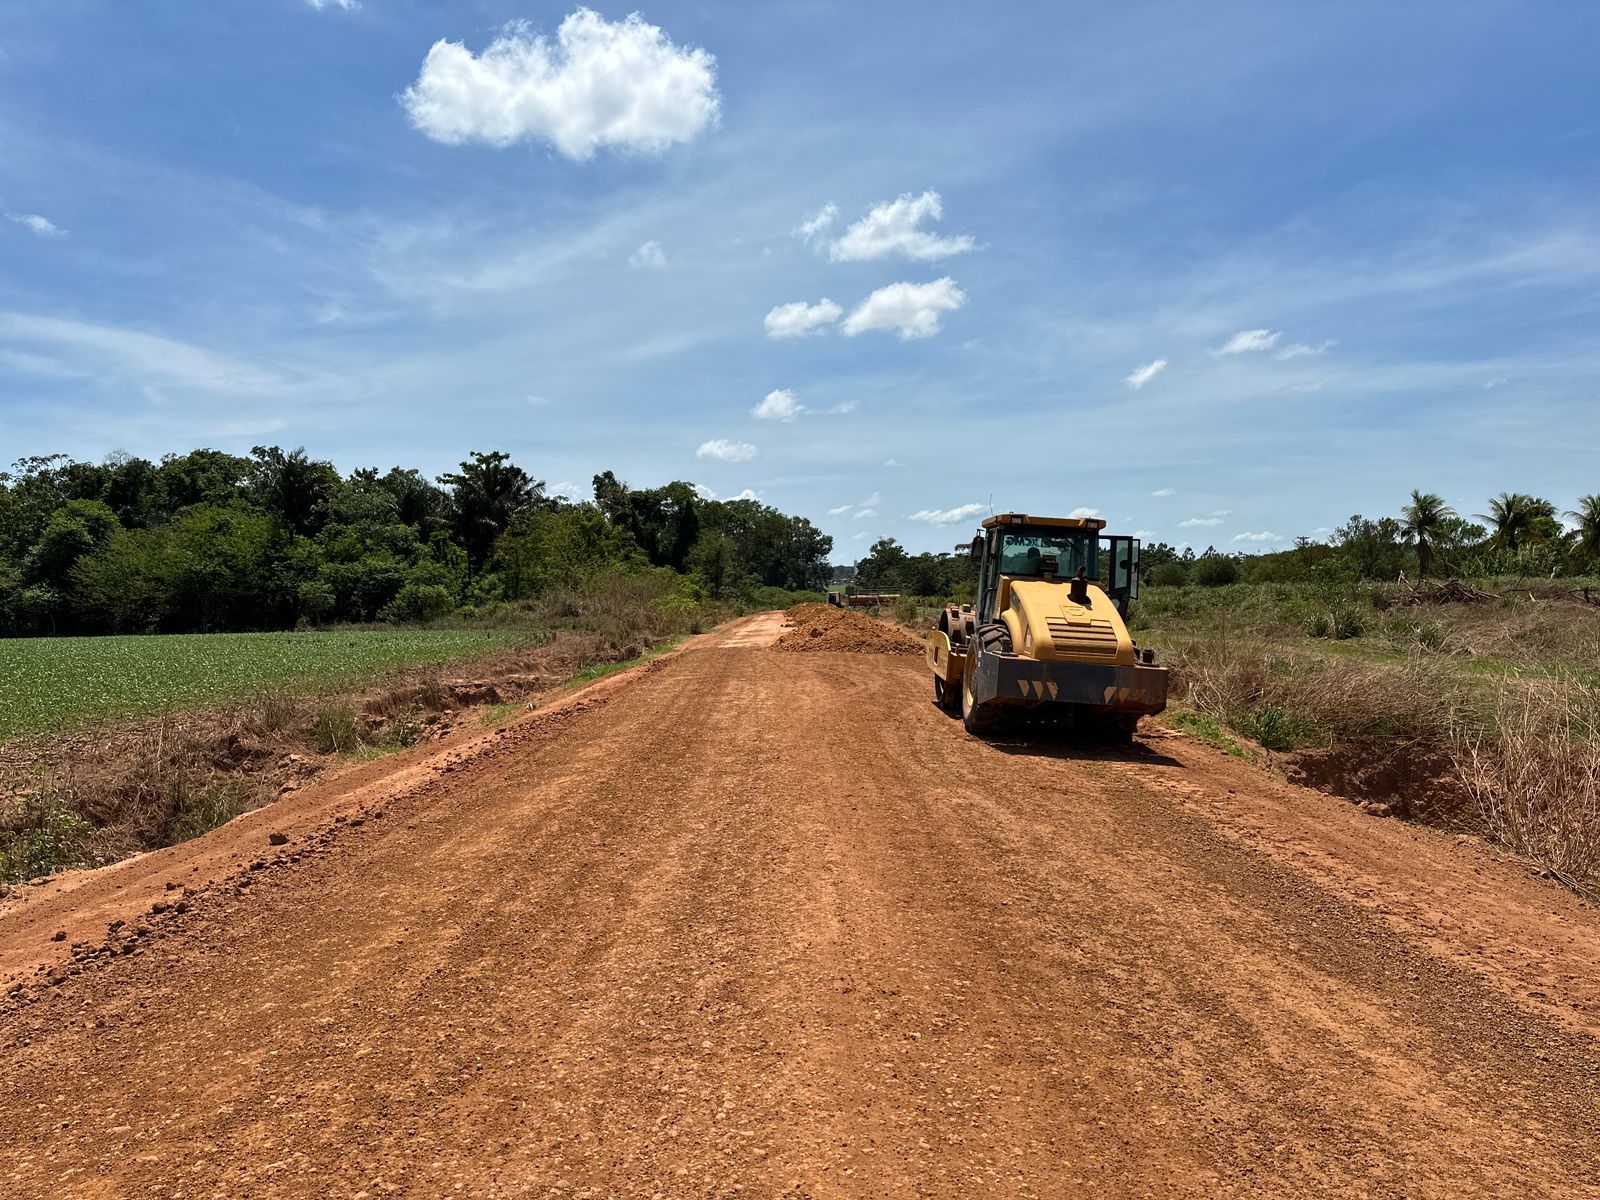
(1533,770)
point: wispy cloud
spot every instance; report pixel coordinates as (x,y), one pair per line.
(1304,350)
(948,516)
(1140,376)
(726,451)
(892,229)
(1257,537)
(40,226)
(1165,492)
(649,255)
(1199,522)
(814,225)
(1249,341)
(125,353)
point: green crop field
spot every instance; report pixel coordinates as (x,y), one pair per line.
(52,683)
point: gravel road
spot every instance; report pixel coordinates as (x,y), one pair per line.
(761,924)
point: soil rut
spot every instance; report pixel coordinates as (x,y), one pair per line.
(766,924)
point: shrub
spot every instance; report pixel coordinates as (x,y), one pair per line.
(1276,728)
(202,805)
(417,602)
(1347,623)
(404,729)
(40,834)
(1170,574)
(335,730)
(1216,570)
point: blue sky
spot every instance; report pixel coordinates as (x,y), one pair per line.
(1361,240)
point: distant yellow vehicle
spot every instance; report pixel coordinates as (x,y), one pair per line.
(1044,636)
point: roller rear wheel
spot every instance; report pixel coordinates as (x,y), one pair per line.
(980,719)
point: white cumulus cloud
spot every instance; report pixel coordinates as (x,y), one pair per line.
(865,513)
(648,255)
(894,227)
(1248,341)
(948,516)
(42,226)
(779,405)
(1199,522)
(622,84)
(1256,537)
(726,451)
(1084,512)
(1140,376)
(910,309)
(800,319)
(1304,350)
(841,510)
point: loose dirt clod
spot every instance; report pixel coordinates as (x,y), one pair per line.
(821,627)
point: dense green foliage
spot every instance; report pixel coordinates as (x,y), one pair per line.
(49,682)
(1521,536)
(208,541)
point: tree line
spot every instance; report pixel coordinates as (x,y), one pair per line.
(209,541)
(1518,535)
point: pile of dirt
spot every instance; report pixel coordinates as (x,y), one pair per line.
(1417,780)
(821,627)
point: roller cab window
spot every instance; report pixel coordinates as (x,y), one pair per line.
(1022,555)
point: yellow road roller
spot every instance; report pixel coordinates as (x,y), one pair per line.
(1047,636)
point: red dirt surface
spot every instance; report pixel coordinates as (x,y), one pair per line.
(751,924)
(822,627)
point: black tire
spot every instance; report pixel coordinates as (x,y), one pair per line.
(994,638)
(980,719)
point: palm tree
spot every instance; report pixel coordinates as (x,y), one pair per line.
(485,494)
(1425,518)
(1587,515)
(1512,514)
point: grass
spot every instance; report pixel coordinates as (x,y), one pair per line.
(1208,729)
(601,670)
(1505,694)
(52,683)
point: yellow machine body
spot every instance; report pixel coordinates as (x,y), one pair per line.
(1051,637)
(1046,624)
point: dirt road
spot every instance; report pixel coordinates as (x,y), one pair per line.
(761,924)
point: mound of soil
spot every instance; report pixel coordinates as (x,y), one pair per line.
(1409,779)
(821,627)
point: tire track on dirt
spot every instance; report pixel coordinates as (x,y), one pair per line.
(767,924)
